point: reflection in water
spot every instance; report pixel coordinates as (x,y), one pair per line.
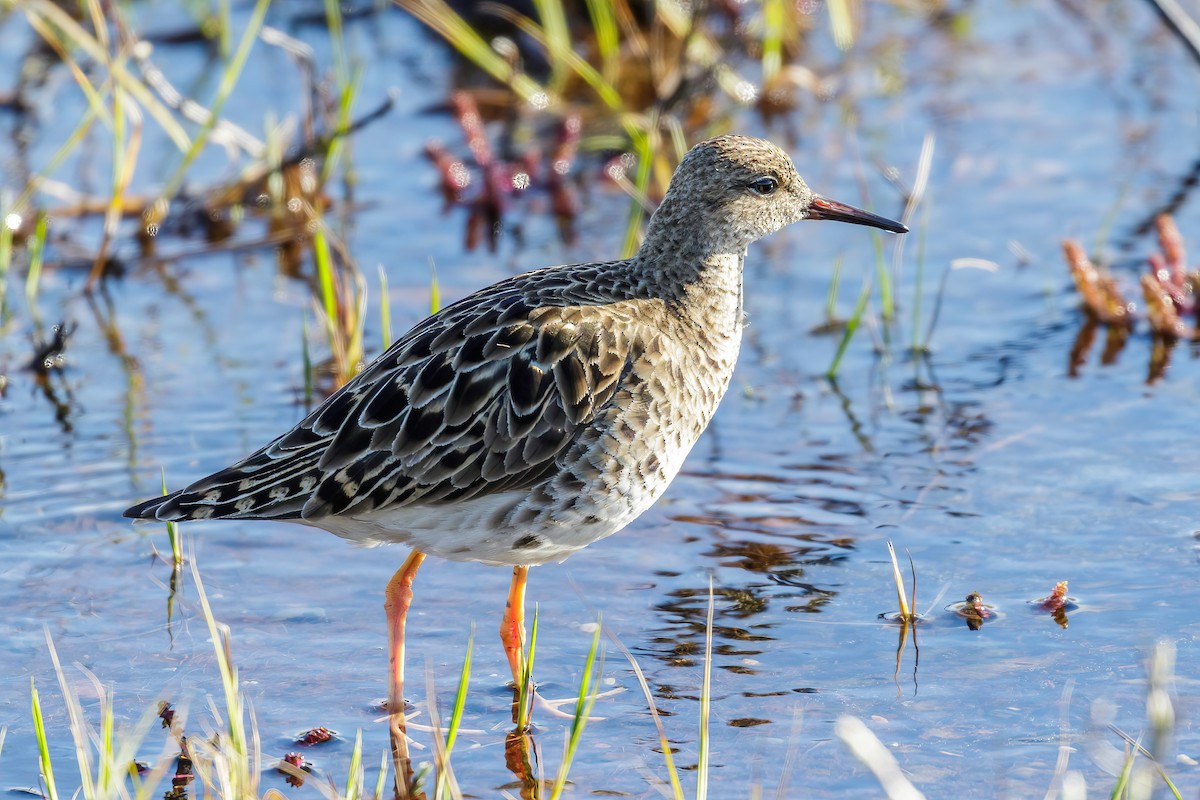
(173,587)
(1081,346)
(294,768)
(686,610)
(856,426)
(1187,183)
(49,358)
(905,626)
(105,316)
(1116,337)
(1160,358)
(522,757)
(184,770)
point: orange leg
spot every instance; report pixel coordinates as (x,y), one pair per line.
(397,599)
(512,627)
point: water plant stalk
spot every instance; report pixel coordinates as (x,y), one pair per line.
(702,759)
(589,688)
(39,730)
(526,690)
(860,308)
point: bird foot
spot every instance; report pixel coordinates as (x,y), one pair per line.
(554,707)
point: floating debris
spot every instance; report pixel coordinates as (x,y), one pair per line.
(973,610)
(1057,604)
(291,765)
(166,713)
(315,736)
(1056,599)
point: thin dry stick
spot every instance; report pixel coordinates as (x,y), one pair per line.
(668,759)
(875,755)
(905,612)
(1064,744)
(1181,23)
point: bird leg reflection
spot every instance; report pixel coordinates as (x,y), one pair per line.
(520,756)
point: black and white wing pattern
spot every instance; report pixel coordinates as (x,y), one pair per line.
(479,398)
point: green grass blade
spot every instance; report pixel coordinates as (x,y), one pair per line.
(383,772)
(608,42)
(644,150)
(105,776)
(834,284)
(557,40)
(607,93)
(774,13)
(337,40)
(460,697)
(306,359)
(668,758)
(354,774)
(446,22)
(234,746)
(229,79)
(525,692)
(51,36)
(385,309)
(81,38)
(345,104)
(887,300)
(172,530)
(325,277)
(841,23)
(852,324)
(224,28)
(37,251)
(1122,783)
(39,730)
(456,717)
(589,688)
(6,236)
(435,292)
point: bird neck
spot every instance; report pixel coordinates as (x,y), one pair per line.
(706,287)
(682,270)
(679,253)
(694,264)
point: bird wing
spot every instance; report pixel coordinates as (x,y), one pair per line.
(479,398)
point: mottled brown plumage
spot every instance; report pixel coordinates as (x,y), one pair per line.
(543,412)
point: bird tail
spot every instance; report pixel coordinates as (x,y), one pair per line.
(149,509)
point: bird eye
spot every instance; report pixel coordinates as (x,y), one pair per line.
(764,185)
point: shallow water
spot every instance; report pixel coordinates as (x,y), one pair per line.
(997,471)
